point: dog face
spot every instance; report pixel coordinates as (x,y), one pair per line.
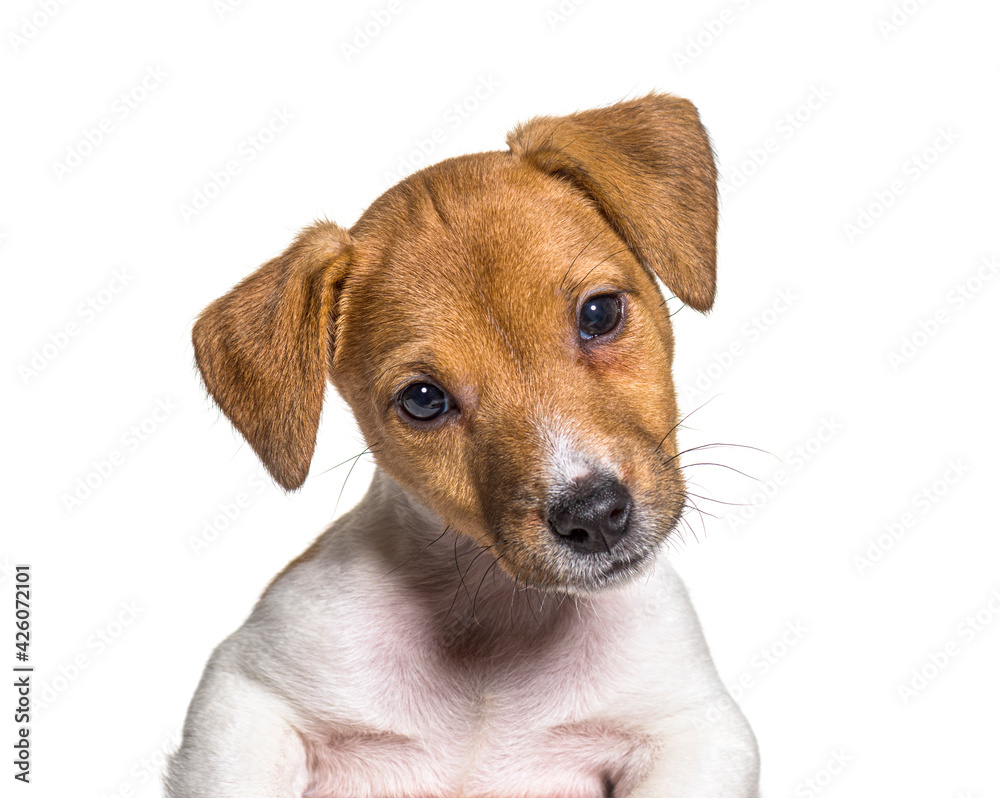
(495,324)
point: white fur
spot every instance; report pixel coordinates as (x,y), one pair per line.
(394,663)
(566,462)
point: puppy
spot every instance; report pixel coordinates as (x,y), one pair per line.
(495,618)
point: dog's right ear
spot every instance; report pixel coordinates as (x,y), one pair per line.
(265,348)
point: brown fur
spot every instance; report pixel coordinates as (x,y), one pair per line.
(648,165)
(471,273)
(264,349)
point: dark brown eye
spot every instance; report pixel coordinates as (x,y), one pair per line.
(599,315)
(423,401)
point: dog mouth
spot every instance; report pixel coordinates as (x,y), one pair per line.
(627,568)
(558,570)
(619,571)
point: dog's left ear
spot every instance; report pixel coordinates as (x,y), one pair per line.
(648,165)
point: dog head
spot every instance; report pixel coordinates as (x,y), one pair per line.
(495,324)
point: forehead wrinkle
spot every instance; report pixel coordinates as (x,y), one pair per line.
(498,327)
(437,202)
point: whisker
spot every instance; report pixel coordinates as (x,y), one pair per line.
(723,465)
(694,532)
(684,520)
(686,526)
(461,575)
(367,450)
(688,506)
(458,587)
(578,254)
(481,552)
(580,281)
(685,418)
(725,445)
(717,501)
(411,559)
(527,598)
(700,512)
(513,593)
(336,504)
(491,567)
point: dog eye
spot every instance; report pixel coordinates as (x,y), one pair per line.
(599,315)
(423,401)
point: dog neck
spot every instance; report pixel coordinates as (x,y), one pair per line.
(453,578)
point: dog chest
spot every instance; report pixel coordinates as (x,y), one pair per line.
(475,708)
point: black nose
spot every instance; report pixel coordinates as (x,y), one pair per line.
(594,517)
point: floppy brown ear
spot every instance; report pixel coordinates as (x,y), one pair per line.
(648,165)
(264,349)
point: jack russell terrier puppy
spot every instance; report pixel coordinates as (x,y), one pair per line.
(495,619)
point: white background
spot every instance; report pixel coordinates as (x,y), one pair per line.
(852,356)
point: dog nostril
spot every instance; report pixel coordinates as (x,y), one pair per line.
(595,518)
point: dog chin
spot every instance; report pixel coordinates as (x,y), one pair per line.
(582,578)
